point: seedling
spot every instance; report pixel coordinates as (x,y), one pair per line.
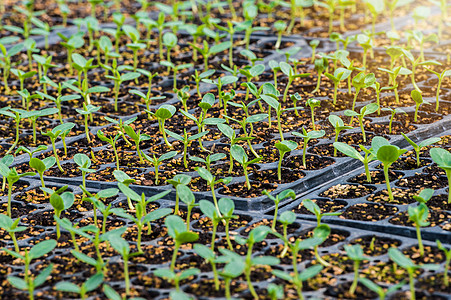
(137,137)
(29,283)
(443,160)
(186,141)
(321,64)
(388,154)
(22,76)
(307,136)
(286,218)
(164,112)
(339,75)
(209,255)
(89,285)
(220,82)
(7,161)
(257,235)
(284,147)
(83,162)
(41,166)
(361,81)
(316,210)
(12,177)
(291,74)
(447,261)
(249,120)
(87,113)
(112,141)
(338,125)
(416,63)
(314,44)
(82,65)
(251,73)
(280,27)
(211,181)
(156,162)
(400,259)
(355,253)
(170,41)
(241,157)
(321,233)
(209,159)
(207,51)
(179,179)
(59,99)
(135,45)
(281,196)
(364,111)
(120,126)
(11,226)
(76,41)
(119,79)
(393,74)
(441,76)
(422,144)
(366,42)
(176,277)
(209,210)
(6,62)
(271,100)
(313,103)
(379,290)
(393,113)
(198,77)
(17,115)
(418,215)
(177,230)
(187,197)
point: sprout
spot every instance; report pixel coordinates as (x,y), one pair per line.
(177,230)
(207,51)
(339,75)
(417,97)
(422,144)
(321,64)
(123,248)
(53,134)
(220,82)
(447,261)
(441,76)
(443,160)
(241,157)
(89,285)
(280,27)
(209,210)
(119,79)
(307,136)
(209,159)
(284,147)
(176,278)
(30,282)
(393,74)
(281,196)
(42,165)
(366,42)
(286,218)
(156,162)
(209,255)
(361,81)
(11,226)
(60,200)
(338,125)
(76,41)
(164,112)
(211,181)
(170,41)
(87,112)
(419,214)
(355,253)
(22,76)
(364,111)
(250,73)
(400,259)
(198,77)
(313,103)
(379,290)
(112,141)
(83,162)
(314,44)
(137,137)
(291,73)
(316,210)
(388,154)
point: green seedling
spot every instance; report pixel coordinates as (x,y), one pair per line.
(177,230)
(21,75)
(112,141)
(89,285)
(251,73)
(441,76)
(321,65)
(146,97)
(157,161)
(404,262)
(231,134)
(422,144)
(137,137)
(338,125)
(163,113)
(120,126)
(83,162)
(210,257)
(378,89)
(376,8)
(314,44)
(321,233)
(17,115)
(119,79)
(234,267)
(176,277)
(187,197)
(27,98)
(393,74)
(186,141)
(416,63)
(208,51)
(272,102)
(316,210)
(313,103)
(355,253)
(361,81)
(198,77)
(307,136)
(418,215)
(339,75)
(379,290)
(6,62)
(59,99)
(175,69)
(123,178)
(277,199)
(284,147)
(226,207)
(366,42)
(291,74)
(447,262)
(7,160)
(170,41)
(256,235)
(280,27)
(11,226)
(12,177)
(211,181)
(220,82)
(30,282)
(30,151)
(60,200)
(417,97)
(443,160)
(209,210)
(211,158)
(87,112)
(364,111)
(82,65)
(250,56)
(275,291)
(179,179)
(286,218)
(241,157)
(135,45)
(392,117)
(41,166)
(388,154)
(35,114)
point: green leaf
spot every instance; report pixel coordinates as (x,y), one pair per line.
(204,252)
(42,277)
(187,237)
(239,154)
(175,225)
(205,174)
(42,248)
(282,275)
(265,260)
(119,244)
(400,258)
(111,293)
(93,282)
(208,209)
(388,154)
(157,214)
(417,96)
(37,164)
(17,282)
(310,272)
(128,192)
(185,194)
(348,150)
(167,156)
